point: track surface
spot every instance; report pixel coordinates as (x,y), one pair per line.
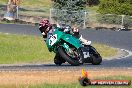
(120,39)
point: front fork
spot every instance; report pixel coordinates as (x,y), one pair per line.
(84,54)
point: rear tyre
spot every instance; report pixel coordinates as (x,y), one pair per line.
(64,55)
(57,60)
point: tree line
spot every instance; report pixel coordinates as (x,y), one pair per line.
(119,7)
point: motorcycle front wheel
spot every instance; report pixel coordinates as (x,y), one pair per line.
(96,59)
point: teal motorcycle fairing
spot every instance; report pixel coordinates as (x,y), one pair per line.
(55,38)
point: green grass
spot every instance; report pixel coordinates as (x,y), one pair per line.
(32,3)
(3,1)
(33,7)
(92,9)
(37,8)
(105,51)
(23,49)
(32,49)
(36,3)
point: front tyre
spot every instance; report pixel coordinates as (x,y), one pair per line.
(95,56)
(70,60)
(96,59)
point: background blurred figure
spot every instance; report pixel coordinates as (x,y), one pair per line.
(11,9)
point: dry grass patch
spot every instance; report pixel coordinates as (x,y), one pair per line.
(55,77)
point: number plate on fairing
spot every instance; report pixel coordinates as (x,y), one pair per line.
(52,39)
(86,54)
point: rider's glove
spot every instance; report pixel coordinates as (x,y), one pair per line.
(66,30)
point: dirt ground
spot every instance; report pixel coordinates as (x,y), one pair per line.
(55,77)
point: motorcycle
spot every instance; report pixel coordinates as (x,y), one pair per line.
(69,49)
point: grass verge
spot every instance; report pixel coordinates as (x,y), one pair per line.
(32,7)
(32,49)
(73,85)
(23,49)
(77,85)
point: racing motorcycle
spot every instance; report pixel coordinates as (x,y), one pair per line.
(69,49)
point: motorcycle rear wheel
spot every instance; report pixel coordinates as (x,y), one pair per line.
(64,55)
(57,60)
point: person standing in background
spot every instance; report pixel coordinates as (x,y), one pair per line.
(11,9)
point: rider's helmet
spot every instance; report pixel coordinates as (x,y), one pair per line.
(45,26)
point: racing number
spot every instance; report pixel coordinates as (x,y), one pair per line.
(52,39)
(86,54)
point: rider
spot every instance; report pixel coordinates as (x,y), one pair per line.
(46,29)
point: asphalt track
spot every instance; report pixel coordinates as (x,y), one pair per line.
(118,39)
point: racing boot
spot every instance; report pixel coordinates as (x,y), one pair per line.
(84,41)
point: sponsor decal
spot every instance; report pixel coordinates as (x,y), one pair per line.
(85,81)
